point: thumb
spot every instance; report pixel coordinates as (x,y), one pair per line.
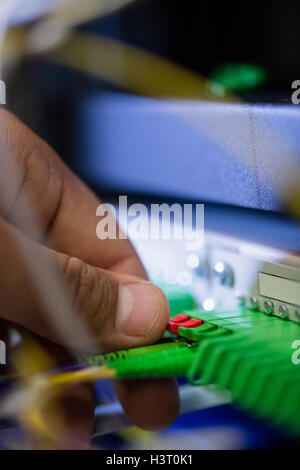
(120,311)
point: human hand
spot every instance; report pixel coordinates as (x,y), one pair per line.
(105,279)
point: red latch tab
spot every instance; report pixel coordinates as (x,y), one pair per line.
(182,320)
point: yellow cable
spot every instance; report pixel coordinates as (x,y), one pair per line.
(124,65)
(85,375)
(134,69)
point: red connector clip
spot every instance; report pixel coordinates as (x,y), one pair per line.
(182,320)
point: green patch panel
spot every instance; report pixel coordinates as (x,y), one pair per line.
(239,349)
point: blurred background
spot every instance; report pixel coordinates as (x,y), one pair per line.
(248,47)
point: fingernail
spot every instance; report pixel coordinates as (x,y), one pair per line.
(139,307)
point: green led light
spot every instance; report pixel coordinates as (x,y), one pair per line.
(238,77)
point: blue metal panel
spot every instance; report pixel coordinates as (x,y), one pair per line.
(230,153)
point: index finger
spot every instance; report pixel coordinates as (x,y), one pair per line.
(65,207)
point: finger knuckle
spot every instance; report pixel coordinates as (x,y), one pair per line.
(92,292)
(78,278)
